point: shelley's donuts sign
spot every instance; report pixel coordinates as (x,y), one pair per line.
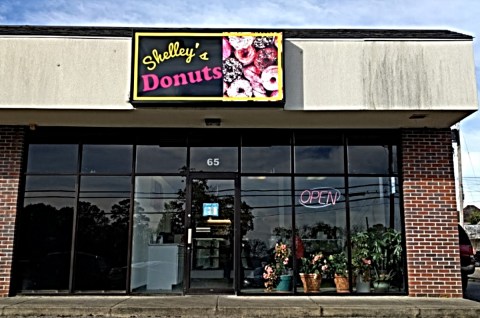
(225,66)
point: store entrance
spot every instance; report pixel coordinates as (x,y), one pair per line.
(212,211)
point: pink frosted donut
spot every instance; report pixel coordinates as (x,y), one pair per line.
(226,48)
(245,56)
(258,89)
(270,78)
(240,88)
(251,72)
(241,42)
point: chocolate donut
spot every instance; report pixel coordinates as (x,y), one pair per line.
(232,69)
(264,58)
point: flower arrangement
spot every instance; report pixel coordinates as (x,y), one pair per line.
(271,273)
(282,255)
(316,264)
(270,277)
(363,268)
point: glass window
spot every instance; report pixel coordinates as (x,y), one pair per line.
(320,218)
(158,228)
(317,152)
(266,153)
(319,159)
(368,159)
(266,220)
(52,158)
(155,159)
(44,235)
(214,159)
(107,159)
(102,233)
(376,239)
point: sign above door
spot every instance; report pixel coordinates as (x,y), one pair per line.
(207,66)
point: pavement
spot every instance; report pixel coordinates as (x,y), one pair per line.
(229,306)
(215,306)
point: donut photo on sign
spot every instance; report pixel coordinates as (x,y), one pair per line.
(251,67)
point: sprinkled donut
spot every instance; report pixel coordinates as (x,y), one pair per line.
(270,78)
(262,42)
(232,69)
(240,88)
(265,57)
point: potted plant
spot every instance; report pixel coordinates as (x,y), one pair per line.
(270,277)
(386,255)
(311,272)
(338,265)
(278,275)
(282,254)
(377,257)
(361,261)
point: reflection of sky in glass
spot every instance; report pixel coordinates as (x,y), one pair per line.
(275,159)
(107,159)
(52,158)
(57,191)
(369,201)
(228,158)
(270,199)
(104,191)
(160,159)
(319,159)
(368,159)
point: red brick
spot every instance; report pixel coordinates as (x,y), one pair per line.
(11,148)
(430,212)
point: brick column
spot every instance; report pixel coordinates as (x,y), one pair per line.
(431,219)
(11,150)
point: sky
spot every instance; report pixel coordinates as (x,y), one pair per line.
(455,15)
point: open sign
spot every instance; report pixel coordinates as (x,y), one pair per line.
(317,198)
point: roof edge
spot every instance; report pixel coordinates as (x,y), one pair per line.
(305,33)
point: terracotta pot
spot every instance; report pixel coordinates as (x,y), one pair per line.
(342,284)
(311,282)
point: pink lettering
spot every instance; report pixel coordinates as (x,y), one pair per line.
(146,82)
(166,82)
(319,197)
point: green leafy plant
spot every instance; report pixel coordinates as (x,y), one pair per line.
(377,251)
(338,264)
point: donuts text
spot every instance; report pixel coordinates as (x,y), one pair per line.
(153,81)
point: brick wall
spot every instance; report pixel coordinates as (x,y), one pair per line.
(431,220)
(11,150)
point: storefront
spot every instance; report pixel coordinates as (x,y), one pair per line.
(210,168)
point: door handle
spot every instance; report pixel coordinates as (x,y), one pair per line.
(189,236)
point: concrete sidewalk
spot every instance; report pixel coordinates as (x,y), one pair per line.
(236,306)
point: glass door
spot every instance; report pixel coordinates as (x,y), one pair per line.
(210,233)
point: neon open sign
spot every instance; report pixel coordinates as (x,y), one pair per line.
(317,198)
